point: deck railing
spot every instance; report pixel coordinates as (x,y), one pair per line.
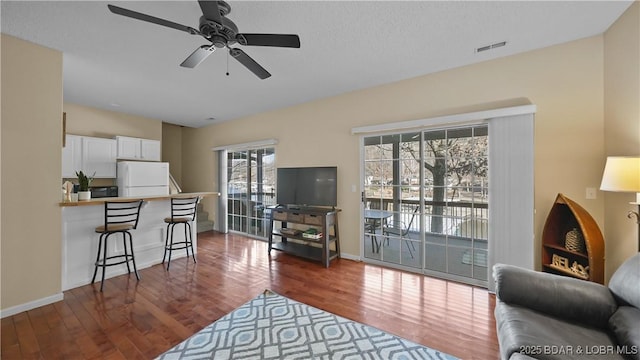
(461,218)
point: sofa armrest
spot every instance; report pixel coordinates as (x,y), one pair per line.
(624,325)
(560,296)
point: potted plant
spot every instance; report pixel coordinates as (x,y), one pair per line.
(83,185)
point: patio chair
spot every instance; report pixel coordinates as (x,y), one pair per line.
(401,230)
(371,225)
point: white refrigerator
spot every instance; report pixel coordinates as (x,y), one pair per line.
(142,178)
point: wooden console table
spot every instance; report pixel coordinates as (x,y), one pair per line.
(324,220)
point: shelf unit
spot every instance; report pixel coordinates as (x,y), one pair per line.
(323,219)
(564,216)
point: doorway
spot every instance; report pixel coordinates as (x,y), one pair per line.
(426,204)
(250,190)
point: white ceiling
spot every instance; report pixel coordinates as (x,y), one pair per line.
(121,64)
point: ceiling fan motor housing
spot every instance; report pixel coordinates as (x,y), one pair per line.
(219,36)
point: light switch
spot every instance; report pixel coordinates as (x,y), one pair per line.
(591,193)
(353,188)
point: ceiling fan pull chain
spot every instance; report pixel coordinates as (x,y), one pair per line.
(227,63)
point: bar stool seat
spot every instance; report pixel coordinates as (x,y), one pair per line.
(119,217)
(177,219)
(115,228)
(183,211)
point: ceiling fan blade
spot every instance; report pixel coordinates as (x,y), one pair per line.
(152,19)
(280,40)
(210,10)
(249,63)
(198,56)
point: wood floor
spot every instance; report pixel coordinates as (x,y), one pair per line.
(140,320)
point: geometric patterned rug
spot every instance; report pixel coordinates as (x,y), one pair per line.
(275,327)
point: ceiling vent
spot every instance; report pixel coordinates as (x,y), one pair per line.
(492,46)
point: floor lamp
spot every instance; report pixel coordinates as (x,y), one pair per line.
(622,174)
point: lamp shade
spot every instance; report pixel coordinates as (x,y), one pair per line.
(621,173)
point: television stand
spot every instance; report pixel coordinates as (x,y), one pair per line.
(297,241)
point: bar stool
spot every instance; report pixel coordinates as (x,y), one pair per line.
(119,217)
(183,211)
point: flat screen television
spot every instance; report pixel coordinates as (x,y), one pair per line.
(307,186)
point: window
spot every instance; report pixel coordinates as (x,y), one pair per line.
(426,200)
(250,190)
(510,229)
(456,201)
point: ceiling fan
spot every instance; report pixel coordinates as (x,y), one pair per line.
(221,32)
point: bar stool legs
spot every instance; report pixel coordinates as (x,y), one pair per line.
(183,211)
(102,260)
(170,245)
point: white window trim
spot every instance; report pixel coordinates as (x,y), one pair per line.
(252,145)
(447,120)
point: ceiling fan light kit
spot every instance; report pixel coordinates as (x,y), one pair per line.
(221,33)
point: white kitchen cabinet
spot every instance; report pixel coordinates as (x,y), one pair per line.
(150,150)
(71,156)
(89,154)
(130,148)
(99,157)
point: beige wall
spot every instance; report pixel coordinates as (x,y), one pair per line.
(88,121)
(564,81)
(172,149)
(31,132)
(197,166)
(622,128)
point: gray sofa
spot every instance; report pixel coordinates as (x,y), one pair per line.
(546,316)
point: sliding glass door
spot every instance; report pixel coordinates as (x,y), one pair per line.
(426,201)
(392,198)
(250,190)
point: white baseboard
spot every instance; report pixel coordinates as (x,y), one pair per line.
(350,257)
(31,305)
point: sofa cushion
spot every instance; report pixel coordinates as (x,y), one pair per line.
(624,282)
(546,337)
(625,324)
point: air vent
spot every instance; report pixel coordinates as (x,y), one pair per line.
(492,46)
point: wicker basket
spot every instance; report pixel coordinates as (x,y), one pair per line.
(574,241)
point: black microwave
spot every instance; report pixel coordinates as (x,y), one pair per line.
(103,191)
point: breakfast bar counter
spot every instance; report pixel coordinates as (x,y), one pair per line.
(80,241)
(101,201)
